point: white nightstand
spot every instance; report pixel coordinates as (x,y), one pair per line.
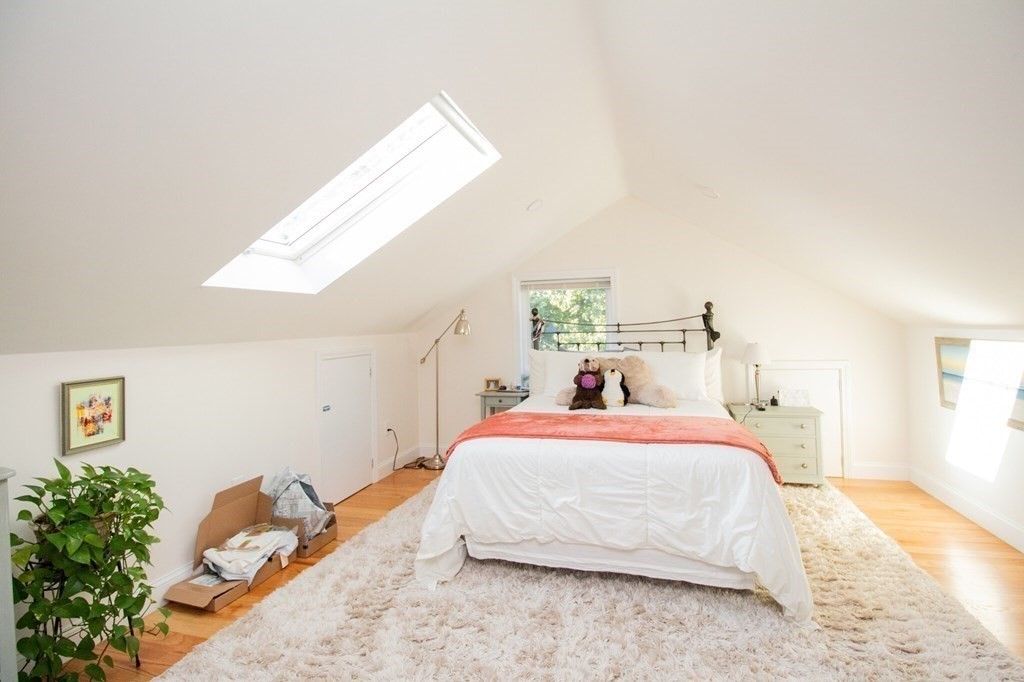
(492,402)
(791,434)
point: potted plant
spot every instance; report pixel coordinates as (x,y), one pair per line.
(82,575)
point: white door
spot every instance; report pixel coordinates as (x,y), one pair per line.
(346,432)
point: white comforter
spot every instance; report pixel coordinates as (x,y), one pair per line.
(711,503)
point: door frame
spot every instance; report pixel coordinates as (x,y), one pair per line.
(324,356)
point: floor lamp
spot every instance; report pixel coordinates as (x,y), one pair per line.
(461,325)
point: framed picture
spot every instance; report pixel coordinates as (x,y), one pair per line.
(951,355)
(91,414)
(492,384)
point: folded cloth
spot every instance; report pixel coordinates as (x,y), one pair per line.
(243,554)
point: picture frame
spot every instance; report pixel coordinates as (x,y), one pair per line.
(91,414)
(951,360)
(492,383)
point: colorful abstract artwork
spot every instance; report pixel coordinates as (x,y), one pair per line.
(92,414)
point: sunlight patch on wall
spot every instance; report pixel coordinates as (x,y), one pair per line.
(991,383)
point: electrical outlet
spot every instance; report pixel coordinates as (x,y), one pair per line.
(388,426)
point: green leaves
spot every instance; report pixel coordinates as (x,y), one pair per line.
(82,571)
(95,672)
(65,474)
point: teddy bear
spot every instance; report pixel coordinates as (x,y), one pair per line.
(642,389)
(589,382)
(615,393)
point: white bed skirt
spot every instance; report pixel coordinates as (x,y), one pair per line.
(651,563)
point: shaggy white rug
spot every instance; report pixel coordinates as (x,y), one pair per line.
(359,614)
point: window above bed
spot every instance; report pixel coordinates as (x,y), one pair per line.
(570,303)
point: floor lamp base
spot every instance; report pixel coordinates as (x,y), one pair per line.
(434,463)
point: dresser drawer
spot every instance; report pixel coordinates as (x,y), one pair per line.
(780,426)
(781,446)
(501,401)
(793,468)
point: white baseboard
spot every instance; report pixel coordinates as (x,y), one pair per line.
(383,470)
(881,472)
(989,519)
(161,584)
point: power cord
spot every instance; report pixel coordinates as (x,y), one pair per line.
(743,420)
(415,464)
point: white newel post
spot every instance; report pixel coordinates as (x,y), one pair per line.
(8,654)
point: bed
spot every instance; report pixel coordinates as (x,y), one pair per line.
(709,514)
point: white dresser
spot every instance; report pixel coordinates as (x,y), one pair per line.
(791,434)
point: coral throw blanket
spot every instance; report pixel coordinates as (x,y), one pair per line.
(625,429)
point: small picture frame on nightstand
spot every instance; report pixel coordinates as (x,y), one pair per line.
(492,384)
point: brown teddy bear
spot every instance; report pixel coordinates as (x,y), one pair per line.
(641,389)
(589,382)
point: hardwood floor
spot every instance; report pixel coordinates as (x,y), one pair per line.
(190,627)
(984,573)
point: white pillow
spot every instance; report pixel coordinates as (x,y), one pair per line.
(713,374)
(682,372)
(551,371)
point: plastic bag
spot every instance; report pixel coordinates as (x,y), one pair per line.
(294,498)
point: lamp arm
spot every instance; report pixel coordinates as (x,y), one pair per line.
(441,336)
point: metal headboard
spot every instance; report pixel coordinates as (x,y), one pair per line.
(617,333)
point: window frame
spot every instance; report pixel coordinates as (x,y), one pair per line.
(520,297)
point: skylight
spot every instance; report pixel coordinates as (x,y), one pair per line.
(418,165)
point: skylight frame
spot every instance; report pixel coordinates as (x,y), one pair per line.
(446,153)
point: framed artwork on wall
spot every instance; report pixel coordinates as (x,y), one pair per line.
(998,366)
(91,414)
(951,355)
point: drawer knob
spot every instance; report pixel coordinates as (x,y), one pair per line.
(803,446)
(757,425)
(803,426)
(804,465)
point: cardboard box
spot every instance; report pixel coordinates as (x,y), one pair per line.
(233,510)
(308,548)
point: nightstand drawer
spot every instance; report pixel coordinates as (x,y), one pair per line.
(781,446)
(492,402)
(780,426)
(793,468)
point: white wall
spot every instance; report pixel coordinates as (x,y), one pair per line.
(998,505)
(665,268)
(196,418)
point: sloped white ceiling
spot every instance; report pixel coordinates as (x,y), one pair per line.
(145,145)
(877,147)
(873,146)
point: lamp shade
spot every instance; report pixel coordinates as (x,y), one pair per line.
(462,326)
(757,354)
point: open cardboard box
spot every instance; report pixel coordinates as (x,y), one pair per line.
(233,509)
(308,548)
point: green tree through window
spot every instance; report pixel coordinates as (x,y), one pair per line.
(560,307)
